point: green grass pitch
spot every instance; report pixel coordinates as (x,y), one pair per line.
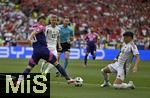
(92,79)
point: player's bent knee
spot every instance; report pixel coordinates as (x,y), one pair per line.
(105,70)
(55,63)
(52,60)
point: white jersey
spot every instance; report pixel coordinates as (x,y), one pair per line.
(126,54)
(52,35)
(122,65)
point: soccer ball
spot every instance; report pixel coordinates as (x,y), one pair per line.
(78,82)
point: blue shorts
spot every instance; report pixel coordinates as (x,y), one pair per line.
(42,53)
(91,49)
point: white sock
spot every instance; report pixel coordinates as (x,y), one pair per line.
(105,76)
(50,66)
(123,85)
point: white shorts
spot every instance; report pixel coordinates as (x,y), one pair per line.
(118,69)
(53,50)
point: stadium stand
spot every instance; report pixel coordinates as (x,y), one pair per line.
(110,18)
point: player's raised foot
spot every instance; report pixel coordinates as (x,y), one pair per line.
(131,85)
(108,84)
(71,81)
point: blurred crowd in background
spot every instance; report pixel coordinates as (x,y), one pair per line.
(109,18)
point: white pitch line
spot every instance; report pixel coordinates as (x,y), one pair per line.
(91,84)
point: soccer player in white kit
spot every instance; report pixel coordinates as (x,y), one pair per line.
(122,64)
(52,38)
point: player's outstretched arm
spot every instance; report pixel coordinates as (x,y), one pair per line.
(135,67)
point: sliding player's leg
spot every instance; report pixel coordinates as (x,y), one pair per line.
(119,84)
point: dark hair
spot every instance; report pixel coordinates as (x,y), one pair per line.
(42,17)
(128,33)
